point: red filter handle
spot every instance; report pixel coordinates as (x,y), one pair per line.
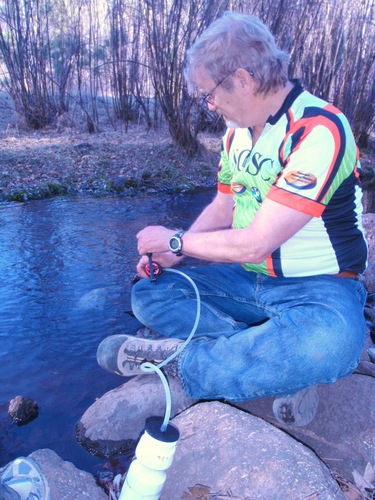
(152,268)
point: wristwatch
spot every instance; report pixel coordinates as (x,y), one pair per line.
(175,243)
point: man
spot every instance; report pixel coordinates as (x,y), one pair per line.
(283,311)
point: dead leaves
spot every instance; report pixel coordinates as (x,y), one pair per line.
(363,487)
(366,483)
(201,492)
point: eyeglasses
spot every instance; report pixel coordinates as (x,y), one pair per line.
(209,98)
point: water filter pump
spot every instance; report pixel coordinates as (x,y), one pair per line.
(155,451)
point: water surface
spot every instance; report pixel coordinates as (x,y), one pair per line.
(66,267)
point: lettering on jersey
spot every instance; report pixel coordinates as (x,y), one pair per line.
(257,164)
(255,191)
(300,180)
(237,187)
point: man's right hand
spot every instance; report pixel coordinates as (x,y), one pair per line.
(165,259)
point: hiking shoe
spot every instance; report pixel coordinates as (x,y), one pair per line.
(124,355)
(296,409)
(22,479)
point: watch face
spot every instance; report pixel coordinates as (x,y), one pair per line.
(174,243)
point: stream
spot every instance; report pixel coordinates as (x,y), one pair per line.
(66,269)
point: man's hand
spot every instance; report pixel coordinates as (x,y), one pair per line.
(154,239)
(165,259)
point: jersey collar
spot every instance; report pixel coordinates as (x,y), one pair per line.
(290,98)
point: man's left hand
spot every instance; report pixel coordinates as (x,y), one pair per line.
(154,239)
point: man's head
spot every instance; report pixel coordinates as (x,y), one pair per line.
(238,41)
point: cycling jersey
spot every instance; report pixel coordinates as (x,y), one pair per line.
(306,159)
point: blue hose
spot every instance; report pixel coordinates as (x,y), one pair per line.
(147,367)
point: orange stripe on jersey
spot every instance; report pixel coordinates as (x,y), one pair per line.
(332,109)
(269,263)
(296,201)
(308,124)
(224,188)
(337,141)
(356,173)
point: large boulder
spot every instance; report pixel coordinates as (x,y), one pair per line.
(114,423)
(227,450)
(343,430)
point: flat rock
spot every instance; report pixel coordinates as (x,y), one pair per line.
(114,423)
(229,452)
(66,482)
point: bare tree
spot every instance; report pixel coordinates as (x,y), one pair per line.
(332,48)
(26,46)
(171,27)
(136,55)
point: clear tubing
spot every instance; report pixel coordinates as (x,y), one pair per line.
(147,367)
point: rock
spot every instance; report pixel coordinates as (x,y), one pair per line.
(370,278)
(343,432)
(368,221)
(95,299)
(22,409)
(370,309)
(114,423)
(371,353)
(66,482)
(368,187)
(121,182)
(224,450)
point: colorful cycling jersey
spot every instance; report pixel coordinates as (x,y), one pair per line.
(306,159)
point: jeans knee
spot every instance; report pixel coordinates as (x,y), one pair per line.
(140,298)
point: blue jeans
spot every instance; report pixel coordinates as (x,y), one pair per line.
(257,336)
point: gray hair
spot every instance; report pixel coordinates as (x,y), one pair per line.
(238,41)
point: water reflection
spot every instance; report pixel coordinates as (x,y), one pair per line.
(66,267)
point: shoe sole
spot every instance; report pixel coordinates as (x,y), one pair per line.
(297,410)
(129,362)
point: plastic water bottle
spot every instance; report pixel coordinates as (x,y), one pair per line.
(154,455)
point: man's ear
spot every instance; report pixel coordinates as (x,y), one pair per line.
(244,80)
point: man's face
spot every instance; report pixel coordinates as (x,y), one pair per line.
(223,102)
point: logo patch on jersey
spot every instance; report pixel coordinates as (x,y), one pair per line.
(255,191)
(300,180)
(237,187)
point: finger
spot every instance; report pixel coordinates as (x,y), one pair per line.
(141,270)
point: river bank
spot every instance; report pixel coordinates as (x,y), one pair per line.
(52,163)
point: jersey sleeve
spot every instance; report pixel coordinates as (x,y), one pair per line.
(315,161)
